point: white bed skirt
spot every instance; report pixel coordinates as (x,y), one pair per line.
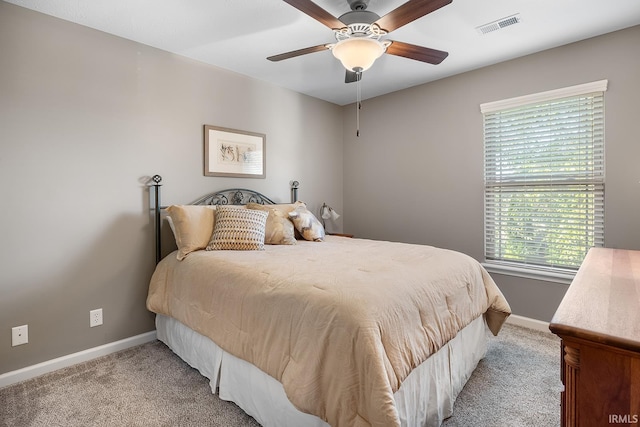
(425,398)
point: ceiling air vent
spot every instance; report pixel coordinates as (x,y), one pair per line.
(499,24)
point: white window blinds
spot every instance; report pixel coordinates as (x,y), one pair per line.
(544,177)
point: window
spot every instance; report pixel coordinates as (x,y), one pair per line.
(544,180)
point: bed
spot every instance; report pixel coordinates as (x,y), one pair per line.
(324,330)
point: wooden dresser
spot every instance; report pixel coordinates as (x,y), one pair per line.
(598,321)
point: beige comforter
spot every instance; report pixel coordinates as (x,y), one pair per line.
(339,323)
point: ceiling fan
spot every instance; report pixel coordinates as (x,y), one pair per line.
(359,34)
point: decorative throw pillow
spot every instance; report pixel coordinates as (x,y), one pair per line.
(192,227)
(238,229)
(279,229)
(285,208)
(307,224)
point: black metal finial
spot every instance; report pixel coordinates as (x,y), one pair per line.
(294,190)
(157,179)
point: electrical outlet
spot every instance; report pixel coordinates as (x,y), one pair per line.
(95,317)
(19,335)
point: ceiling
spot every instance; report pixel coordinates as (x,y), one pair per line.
(239,35)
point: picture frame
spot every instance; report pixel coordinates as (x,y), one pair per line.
(234,153)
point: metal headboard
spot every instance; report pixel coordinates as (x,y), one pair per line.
(232,196)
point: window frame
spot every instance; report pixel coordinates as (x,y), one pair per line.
(516,268)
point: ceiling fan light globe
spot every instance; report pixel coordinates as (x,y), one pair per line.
(358,53)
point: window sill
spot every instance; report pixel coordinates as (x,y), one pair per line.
(530,273)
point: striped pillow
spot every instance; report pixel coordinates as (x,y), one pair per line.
(238,229)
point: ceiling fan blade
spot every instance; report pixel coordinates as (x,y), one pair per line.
(351,76)
(298,52)
(419,53)
(408,12)
(316,12)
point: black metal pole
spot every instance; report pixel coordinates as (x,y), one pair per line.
(156,213)
(294,191)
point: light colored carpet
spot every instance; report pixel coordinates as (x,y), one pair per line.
(517,384)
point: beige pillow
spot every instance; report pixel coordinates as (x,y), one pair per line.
(307,224)
(285,208)
(279,229)
(238,229)
(192,227)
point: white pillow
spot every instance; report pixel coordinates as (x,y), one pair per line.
(307,224)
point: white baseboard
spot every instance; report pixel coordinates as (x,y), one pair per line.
(103,350)
(72,359)
(527,322)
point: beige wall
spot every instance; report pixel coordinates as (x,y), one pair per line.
(416,172)
(84,117)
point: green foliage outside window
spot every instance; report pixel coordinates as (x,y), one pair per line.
(544,182)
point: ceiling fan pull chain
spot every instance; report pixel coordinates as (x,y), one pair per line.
(358,106)
(358,100)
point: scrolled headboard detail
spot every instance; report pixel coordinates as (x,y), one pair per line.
(234,196)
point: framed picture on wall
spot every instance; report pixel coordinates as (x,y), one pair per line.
(234,153)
